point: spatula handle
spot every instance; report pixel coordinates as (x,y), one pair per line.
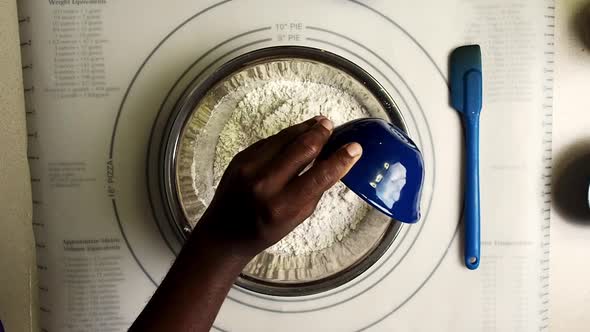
(471,213)
(473,86)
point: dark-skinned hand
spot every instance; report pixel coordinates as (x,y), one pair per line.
(263,195)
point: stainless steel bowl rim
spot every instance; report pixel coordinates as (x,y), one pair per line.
(182,113)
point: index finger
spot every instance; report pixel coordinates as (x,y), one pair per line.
(323,174)
(298,154)
(265,150)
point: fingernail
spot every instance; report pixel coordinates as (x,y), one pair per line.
(326,124)
(314,120)
(354,149)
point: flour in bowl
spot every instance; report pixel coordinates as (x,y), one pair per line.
(272,107)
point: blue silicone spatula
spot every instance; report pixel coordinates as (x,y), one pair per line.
(466,95)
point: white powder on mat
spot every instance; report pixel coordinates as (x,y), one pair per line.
(279,104)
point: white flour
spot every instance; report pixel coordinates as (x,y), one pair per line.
(280,104)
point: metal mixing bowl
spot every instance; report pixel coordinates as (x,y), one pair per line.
(189,151)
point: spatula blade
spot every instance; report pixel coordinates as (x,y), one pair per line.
(463,59)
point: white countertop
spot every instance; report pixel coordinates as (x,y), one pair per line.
(17,264)
(570,223)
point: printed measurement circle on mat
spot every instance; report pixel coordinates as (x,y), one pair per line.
(419,139)
(157,85)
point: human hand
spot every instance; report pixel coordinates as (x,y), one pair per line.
(262,195)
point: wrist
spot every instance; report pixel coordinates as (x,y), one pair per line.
(212,244)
